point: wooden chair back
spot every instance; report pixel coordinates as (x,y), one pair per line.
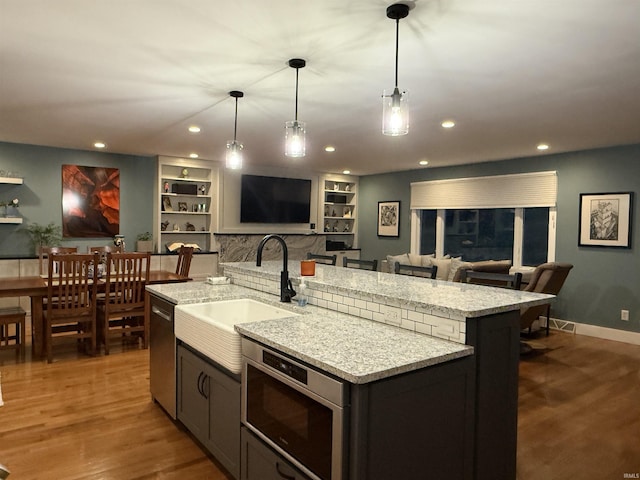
(361,264)
(44,252)
(71,294)
(184,261)
(491,279)
(324,259)
(416,270)
(123,309)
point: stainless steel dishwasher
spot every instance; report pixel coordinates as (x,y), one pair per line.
(162,346)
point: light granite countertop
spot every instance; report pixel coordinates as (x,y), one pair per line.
(354,349)
(447,299)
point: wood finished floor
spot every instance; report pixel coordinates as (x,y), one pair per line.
(93,418)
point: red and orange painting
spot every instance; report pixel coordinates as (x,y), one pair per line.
(90,201)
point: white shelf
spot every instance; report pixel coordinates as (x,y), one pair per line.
(177,212)
(171,194)
(329,190)
(340,191)
(202,173)
(186,179)
(15,220)
(12,180)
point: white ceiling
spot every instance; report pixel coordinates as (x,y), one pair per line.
(136,73)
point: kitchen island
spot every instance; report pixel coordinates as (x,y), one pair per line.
(368,328)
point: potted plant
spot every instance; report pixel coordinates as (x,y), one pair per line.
(44,235)
(144,242)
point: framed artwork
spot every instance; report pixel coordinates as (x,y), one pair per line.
(389,219)
(182,207)
(166,204)
(605,219)
(90,201)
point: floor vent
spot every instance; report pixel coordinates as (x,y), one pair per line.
(562,325)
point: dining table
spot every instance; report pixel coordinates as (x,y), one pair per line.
(35,287)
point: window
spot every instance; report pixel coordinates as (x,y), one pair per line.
(479,234)
(518,234)
(428,231)
(535,236)
(481,218)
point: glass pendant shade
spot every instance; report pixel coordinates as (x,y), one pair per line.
(234,155)
(395,113)
(395,106)
(295,145)
(294,136)
(233,160)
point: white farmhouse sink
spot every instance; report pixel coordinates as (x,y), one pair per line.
(208,327)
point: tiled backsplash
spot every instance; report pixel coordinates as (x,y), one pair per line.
(378,308)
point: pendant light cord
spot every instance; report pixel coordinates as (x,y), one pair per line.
(235,122)
(296,116)
(397,41)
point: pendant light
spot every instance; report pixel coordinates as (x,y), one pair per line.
(395,106)
(294,131)
(234,148)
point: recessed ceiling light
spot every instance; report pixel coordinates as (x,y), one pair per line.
(346,172)
(448,124)
(193,155)
(424,162)
(100,145)
(543,146)
(329,148)
(194,129)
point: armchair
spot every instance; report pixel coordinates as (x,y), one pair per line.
(546,278)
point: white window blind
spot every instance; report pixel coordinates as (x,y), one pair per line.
(537,189)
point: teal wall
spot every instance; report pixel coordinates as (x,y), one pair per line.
(603,280)
(41,194)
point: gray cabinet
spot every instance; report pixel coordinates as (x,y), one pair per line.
(259,462)
(209,407)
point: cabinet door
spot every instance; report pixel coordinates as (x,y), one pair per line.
(224,419)
(193,404)
(261,463)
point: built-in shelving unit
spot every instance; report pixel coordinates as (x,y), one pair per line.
(10,219)
(186,205)
(339,217)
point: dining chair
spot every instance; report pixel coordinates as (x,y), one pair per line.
(324,259)
(71,293)
(361,264)
(184,261)
(122,311)
(44,252)
(416,270)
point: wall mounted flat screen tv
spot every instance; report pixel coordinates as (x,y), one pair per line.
(274,200)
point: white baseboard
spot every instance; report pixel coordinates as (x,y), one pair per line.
(608,333)
(595,331)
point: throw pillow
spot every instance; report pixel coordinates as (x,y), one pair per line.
(457,264)
(443,264)
(419,260)
(393,259)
